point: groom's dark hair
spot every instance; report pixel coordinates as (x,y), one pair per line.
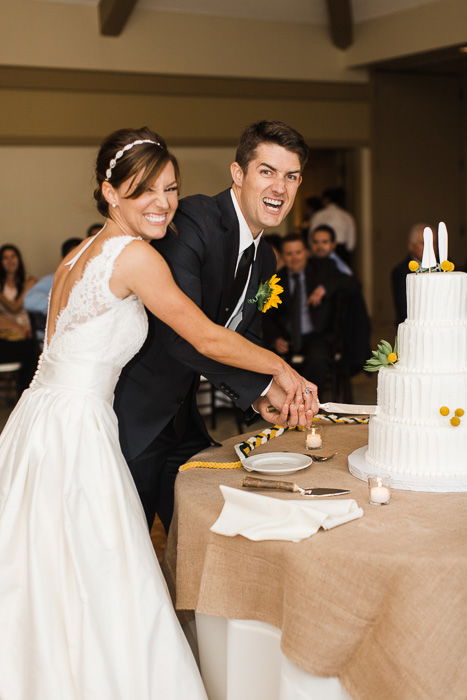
(270,132)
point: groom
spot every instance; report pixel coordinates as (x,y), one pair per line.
(218,258)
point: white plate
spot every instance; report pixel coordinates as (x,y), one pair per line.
(275,462)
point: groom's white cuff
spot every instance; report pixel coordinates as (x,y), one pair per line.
(263,393)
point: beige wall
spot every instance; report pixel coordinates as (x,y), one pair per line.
(67,36)
(49,138)
(47,194)
(45,116)
(437,24)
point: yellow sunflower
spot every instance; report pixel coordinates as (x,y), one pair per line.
(275,290)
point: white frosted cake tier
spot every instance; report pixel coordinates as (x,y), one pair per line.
(427,346)
(437,296)
(416,397)
(418,475)
(431,453)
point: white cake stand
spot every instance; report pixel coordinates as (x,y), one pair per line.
(359,467)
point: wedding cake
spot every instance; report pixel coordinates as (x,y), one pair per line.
(419,433)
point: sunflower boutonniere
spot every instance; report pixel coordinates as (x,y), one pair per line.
(268,294)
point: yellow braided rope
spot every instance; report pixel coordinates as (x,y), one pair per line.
(246,447)
(250,443)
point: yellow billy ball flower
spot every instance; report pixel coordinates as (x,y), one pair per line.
(455,421)
(392,357)
(413,266)
(446,265)
(452,267)
(459,411)
(444,410)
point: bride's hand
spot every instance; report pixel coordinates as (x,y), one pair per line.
(298,390)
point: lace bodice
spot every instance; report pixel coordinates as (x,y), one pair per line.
(96,326)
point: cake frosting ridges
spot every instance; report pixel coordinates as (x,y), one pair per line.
(437,296)
(411,397)
(426,451)
(432,347)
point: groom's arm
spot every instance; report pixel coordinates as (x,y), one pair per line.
(186,253)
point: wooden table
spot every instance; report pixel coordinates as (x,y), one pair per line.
(380,602)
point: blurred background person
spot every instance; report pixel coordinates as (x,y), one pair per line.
(334,214)
(93,229)
(401,270)
(16,339)
(275,241)
(311,206)
(303,328)
(36,299)
(322,242)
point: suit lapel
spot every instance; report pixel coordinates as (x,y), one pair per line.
(231,241)
(257,276)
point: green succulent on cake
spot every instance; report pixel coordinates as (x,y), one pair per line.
(383,356)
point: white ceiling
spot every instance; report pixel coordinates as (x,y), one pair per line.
(300,11)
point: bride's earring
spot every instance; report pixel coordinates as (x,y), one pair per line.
(114,205)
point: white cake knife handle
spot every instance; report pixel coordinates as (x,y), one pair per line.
(353,408)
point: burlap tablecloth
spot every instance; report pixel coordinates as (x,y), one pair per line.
(380,602)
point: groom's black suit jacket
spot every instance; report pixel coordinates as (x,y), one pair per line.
(202,256)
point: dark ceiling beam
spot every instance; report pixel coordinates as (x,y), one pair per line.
(113,15)
(340,22)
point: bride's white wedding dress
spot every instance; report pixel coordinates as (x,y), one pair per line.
(84,609)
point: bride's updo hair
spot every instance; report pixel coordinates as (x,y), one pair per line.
(138,155)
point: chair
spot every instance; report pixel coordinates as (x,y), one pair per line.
(209,400)
(9,375)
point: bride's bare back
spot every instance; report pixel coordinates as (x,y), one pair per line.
(69,272)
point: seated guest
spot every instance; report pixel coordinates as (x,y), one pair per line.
(322,242)
(303,326)
(16,342)
(400,271)
(37,297)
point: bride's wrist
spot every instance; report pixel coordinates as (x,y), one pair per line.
(281,367)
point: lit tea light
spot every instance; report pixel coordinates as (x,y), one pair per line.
(313,439)
(379,490)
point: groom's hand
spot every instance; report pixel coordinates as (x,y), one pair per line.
(274,408)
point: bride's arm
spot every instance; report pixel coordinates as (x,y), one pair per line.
(143,271)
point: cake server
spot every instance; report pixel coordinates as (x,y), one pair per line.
(354,408)
(253,482)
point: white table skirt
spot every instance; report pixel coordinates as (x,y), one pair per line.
(242,660)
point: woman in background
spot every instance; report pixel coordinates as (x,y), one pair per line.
(16,339)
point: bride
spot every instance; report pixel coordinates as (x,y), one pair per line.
(84,610)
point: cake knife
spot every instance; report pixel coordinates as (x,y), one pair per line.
(357,409)
(330,407)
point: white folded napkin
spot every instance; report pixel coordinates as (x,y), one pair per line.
(260,517)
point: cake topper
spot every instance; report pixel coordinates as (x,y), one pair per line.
(428,258)
(442,242)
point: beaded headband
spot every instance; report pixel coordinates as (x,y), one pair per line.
(119,154)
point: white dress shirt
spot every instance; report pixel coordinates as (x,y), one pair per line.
(245,240)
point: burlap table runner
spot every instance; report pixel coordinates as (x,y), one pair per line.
(380,602)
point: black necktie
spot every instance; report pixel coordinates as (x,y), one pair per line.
(240,279)
(297,314)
